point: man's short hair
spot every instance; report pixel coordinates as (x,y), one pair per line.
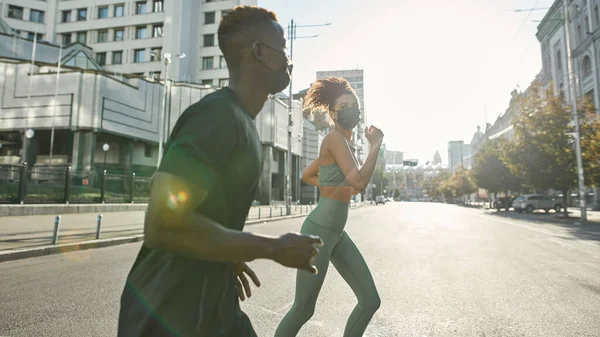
(239,26)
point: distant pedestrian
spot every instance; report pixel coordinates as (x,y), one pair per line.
(339,176)
(192,268)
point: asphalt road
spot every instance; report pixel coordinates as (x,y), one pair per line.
(441,270)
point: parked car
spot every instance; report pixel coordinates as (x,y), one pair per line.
(380,199)
(531,202)
(504,202)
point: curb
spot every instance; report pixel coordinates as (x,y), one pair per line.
(66,248)
(19,254)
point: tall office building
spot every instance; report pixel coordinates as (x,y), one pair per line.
(356,79)
(129,36)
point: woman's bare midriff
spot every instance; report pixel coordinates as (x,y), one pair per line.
(339,193)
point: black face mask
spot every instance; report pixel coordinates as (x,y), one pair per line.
(280,78)
(348,117)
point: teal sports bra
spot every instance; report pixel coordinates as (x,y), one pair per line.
(332,175)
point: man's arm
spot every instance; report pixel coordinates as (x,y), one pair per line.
(172,224)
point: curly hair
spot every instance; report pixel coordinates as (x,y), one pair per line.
(240,25)
(322,94)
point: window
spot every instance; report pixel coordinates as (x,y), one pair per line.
(596,16)
(207,82)
(209,18)
(139,55)
(586,66)
(66,38)
(223,82)
(15,12)
(119,10)
(579,35)
(207,63)
(209,40)
(119,34)
(140,7)
(157,31)
(101,59)
(31,36)
(102,12)
(66,16)
(141,32)
(102,36)
(222,63)
(587,25)
(82,14)
(147,151)
(81,37)
(117,57)
(36,16)
(156,54)
(157,6)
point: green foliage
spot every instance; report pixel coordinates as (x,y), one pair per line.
(489,170)
(542,151)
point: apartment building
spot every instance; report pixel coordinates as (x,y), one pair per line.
(131,36)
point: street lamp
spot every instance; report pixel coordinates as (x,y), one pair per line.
(105,148)
(163,110)
(29,133)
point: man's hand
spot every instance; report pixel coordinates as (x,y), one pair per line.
(242,284)
(297,251)
(354,191)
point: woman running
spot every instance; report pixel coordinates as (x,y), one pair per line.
(337,174)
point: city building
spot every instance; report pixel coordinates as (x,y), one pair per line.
(91,107)
(437,158)
(312,140)
(458,155)
(130,36)
(393,159)
(356,79)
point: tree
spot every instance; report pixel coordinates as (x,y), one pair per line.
(458,184)
(590,142)
(489,170)
(434,186)
(542,151)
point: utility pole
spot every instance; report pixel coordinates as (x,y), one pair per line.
(288,176)
(572,84)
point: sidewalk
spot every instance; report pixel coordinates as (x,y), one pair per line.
(26,232)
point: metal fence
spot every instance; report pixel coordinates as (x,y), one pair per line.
(40,185)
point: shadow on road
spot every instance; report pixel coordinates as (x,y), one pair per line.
(589,231)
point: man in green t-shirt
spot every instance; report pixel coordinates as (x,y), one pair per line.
(191,269)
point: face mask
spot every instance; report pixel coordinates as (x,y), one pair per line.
(348,117)
(280,78)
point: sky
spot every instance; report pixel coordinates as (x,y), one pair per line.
(433,69)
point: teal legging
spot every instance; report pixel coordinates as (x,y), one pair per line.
(327,220)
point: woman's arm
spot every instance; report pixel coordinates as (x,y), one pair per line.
(311,174)
(340,150)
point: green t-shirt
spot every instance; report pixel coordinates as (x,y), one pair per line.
(215,145)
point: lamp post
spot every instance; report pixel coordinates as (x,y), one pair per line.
(105,148)
(29,133)
(163,111)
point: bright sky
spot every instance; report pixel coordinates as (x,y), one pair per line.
(431,66)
